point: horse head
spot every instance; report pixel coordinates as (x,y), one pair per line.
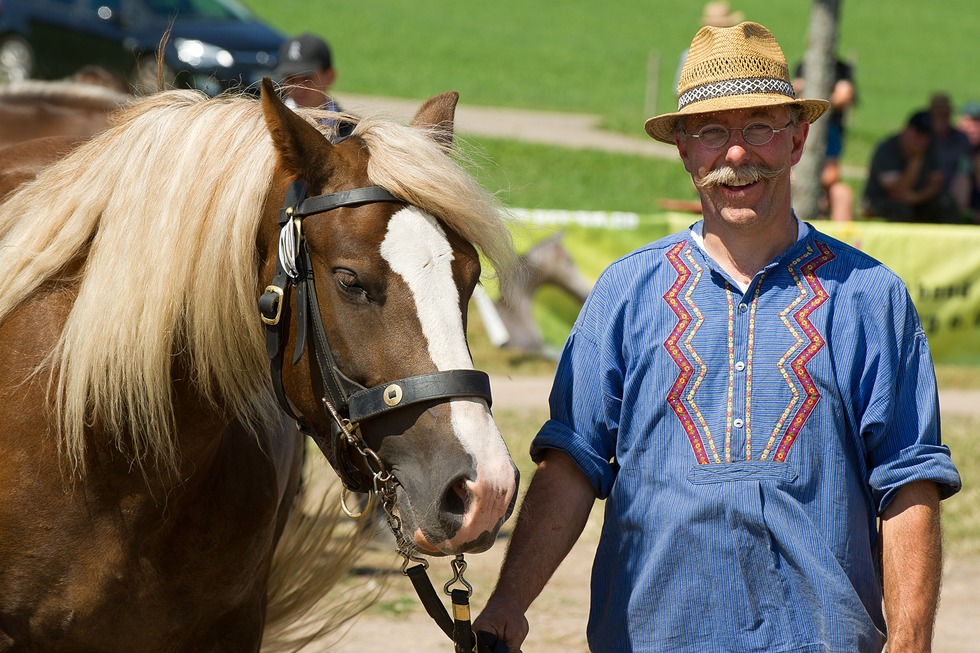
(389,275)
(549,261)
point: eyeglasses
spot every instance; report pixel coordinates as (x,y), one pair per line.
(758,133)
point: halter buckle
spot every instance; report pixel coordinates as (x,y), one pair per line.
(273,294)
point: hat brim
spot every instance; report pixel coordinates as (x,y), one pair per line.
(662,127)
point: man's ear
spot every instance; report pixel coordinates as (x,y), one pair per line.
(681,142)
(799,140)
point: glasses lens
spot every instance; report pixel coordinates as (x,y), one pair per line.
(758,133)
(713,135)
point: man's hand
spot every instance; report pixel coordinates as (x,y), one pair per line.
(506,621)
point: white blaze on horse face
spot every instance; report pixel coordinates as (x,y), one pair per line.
(417,249)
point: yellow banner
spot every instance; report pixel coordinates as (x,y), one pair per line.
(940,264)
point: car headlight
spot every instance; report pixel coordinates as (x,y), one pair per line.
(202,55)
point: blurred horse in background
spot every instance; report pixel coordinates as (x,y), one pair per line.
(80,107)
(546,262)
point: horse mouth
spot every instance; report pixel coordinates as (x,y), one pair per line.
(481,543)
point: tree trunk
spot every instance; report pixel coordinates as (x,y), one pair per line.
(818,65)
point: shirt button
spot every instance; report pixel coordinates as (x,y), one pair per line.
(739,366)
(742,308)
(738,423)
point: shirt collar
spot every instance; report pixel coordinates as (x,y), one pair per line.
(697,235)
(697,231)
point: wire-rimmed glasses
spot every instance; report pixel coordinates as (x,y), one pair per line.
(756,133)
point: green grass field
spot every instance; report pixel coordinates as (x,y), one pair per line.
(619,60)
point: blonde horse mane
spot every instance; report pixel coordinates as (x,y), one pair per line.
(160,214)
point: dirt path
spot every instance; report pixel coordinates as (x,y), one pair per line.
(574,130)
(558,618)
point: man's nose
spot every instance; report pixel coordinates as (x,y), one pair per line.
(736,152)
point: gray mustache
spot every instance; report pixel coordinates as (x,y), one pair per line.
(742,175)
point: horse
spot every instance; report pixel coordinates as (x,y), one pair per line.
(546,262)
(20,162)
(34,109)
(152,435)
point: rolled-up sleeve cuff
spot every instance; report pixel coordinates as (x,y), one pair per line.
(555,435)
(919,463)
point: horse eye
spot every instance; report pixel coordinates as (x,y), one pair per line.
(348,282)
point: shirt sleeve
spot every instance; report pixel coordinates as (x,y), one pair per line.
(585,404)
(901,426)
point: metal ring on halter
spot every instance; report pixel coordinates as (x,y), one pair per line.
(344,493)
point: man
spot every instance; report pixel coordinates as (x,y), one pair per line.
(307,73)
(905,179)
(749,397)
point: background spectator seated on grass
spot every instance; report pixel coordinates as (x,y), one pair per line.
(905,179)
(953,148)
(969,123)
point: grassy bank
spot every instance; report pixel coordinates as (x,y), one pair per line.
(534,176)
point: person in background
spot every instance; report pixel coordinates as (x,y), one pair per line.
(714,14)
(953,148)
(843,96)
(307,72)
(755,402)
(969,123)
(905,178)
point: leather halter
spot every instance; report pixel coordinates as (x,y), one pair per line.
(346,403)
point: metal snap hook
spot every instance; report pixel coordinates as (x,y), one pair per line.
(459,566)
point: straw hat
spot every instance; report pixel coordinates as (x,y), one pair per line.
(739,67)
(720,14)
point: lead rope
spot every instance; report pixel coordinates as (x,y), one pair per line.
(458,627)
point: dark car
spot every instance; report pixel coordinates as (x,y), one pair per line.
(213,44)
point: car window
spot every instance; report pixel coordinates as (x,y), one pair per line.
(191,9)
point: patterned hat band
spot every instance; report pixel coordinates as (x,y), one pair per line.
(750,86)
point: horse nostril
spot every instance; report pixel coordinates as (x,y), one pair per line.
(456,497)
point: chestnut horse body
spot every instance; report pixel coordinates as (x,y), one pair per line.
(36,109)
(146,472)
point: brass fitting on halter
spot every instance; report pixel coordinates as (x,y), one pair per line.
(270,305)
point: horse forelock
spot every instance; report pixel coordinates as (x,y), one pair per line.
(409,162)
(165,208)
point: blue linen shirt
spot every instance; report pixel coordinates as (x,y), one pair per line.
(745,444)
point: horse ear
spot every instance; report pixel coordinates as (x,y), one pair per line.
(304,151)
(437,114)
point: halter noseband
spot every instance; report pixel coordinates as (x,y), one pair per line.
(346,403)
